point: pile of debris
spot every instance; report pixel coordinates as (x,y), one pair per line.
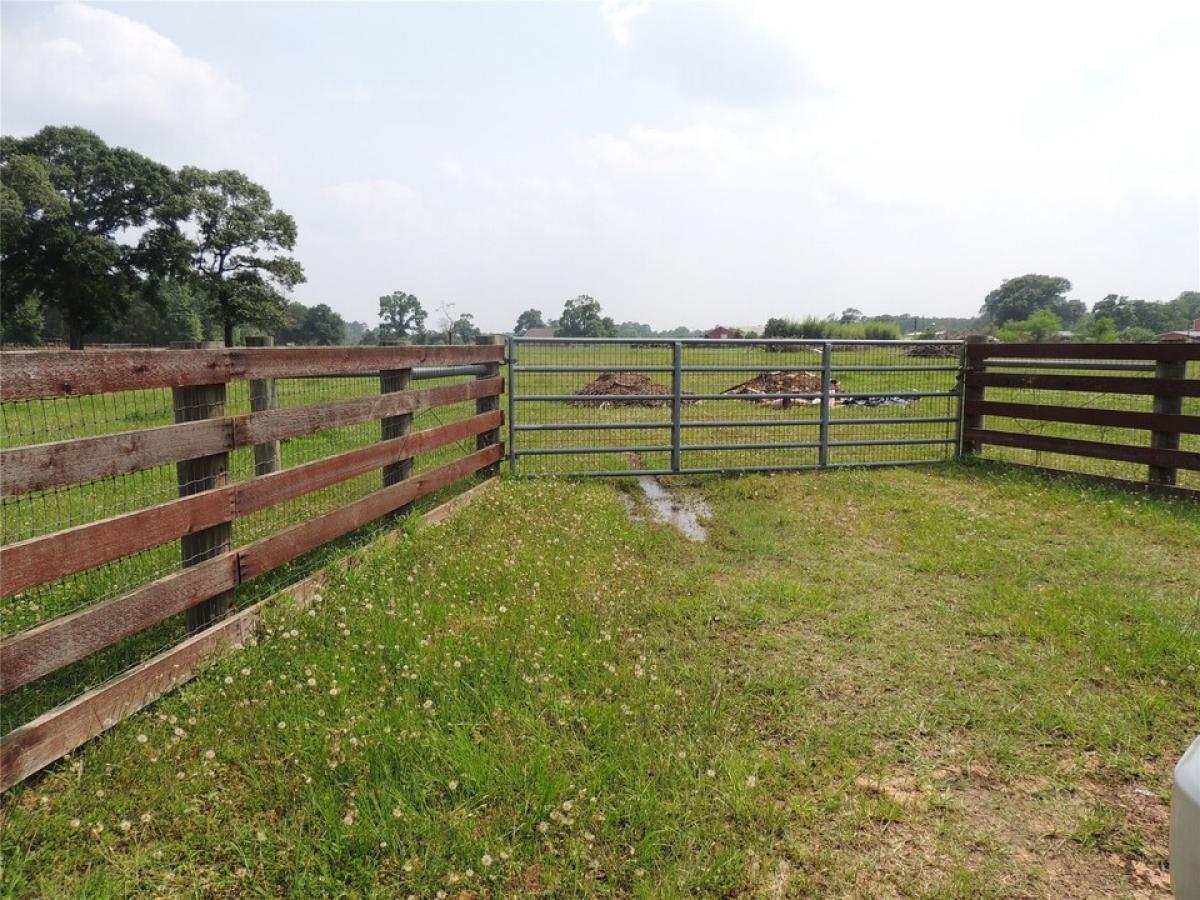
(783,383)
(877,400)
(618,384)
(934,351)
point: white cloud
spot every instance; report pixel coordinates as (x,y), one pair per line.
(84,65)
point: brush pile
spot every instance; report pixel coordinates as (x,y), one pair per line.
(783,383)
(934,351)
(619,384)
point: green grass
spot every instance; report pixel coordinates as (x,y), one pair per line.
(956,681)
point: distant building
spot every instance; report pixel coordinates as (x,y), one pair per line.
(1187,336)
(540,332)
(721,333)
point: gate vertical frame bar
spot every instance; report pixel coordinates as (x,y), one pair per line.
(826,384)
(512,405)
(676,404)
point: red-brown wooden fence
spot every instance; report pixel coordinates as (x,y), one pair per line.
(202,516)
(1064,400)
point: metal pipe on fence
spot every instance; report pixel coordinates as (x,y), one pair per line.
(676,402)
(826,386)
(511,391)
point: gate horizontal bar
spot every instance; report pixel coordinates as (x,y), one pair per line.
(732,470)
(556,451)
(733,423)
(732,342)
(590,426)
(597,368)
(666,398)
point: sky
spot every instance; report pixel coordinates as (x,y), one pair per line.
(683,163)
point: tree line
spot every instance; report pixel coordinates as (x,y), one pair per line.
(1036,307)
(98,240)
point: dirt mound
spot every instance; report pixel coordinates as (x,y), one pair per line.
(934,351)
(783,383)
(618,384)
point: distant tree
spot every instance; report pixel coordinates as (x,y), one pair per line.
(528,320)
(238,256)
(1039,326)
(1136,334)
(400,316)
(1103,330)
(581,318)
(23,323)
(1019,298)
(323,327)
(850,315)
(464,329)
(355,332)
(81,223)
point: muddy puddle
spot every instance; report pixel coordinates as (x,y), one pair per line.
(684,510)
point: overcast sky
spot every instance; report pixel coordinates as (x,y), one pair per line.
(684,163)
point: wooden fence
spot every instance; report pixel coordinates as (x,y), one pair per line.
(201,518)
(1073,399)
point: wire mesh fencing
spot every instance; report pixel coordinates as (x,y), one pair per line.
(27,515)
(618,407)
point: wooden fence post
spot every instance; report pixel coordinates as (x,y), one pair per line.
(391,380)
(489,404)
(1166,440)
(262,397)
(971,392)
(193,403)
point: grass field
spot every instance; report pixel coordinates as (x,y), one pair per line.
(952,681)
(784,429)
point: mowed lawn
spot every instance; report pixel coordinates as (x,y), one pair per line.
(955,681)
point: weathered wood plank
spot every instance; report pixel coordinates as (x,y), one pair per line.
(278,424)
(1096,384)
(43,466)
(273,551)
(261,493)
(305,362)
(46,557)
(46,374)
(48,647)
(32,747)
(39,467)
(1085,415)
(38,374)
(1174,352)
(56,733)
(1181,459)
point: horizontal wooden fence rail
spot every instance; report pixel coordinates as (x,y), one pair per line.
(205,582)
(40,374)
(43,466)
(1164,388)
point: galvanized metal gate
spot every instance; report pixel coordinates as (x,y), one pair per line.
(615,406)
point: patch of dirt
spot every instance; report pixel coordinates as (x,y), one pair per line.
(782,383)
(619,384)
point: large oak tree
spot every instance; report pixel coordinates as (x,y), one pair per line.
(82,224)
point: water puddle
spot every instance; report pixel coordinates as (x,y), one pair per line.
(684,511)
